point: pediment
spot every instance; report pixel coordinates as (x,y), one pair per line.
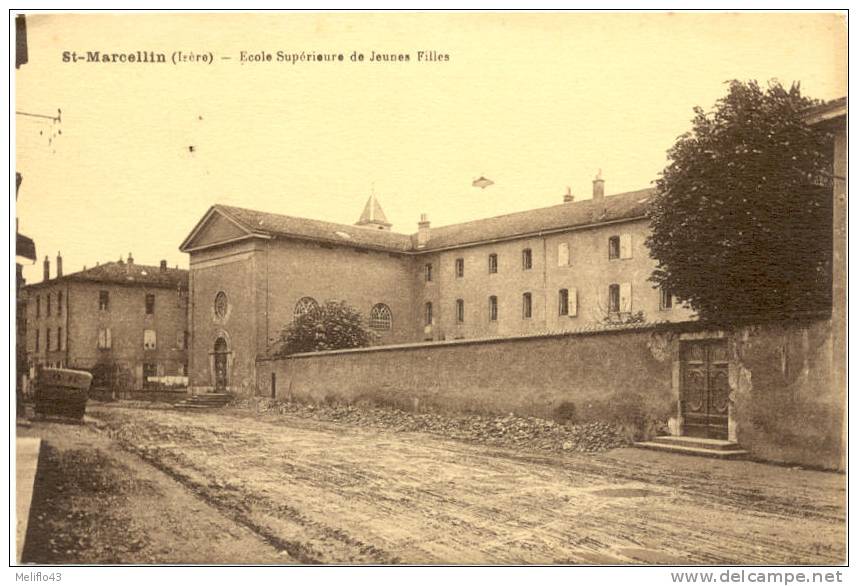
(215,228)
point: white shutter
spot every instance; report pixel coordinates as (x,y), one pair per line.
(625,246)
(573,302)
(563,254)
(107,337)
(625,297)
(102,339)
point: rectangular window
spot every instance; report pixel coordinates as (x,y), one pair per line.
(460,268)
(149,371)
(563,302)
(37,339)
(526,306)
(460,311)
(47,339)
(38,306)
(428,313)
(526,259)
(186,338)
(614,298)
(60,303)
(150,303)
(493,308)
(428,272)
(665,299)
(613,247)
(59,338)
(149,339)
(493,264)
(563,254)
(103,301)
(104,339)
(625,246)
(48,305)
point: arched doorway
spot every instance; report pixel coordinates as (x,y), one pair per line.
(221,351)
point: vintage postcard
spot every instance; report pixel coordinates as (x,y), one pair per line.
(433,288)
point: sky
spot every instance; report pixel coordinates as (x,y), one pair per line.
(535,102)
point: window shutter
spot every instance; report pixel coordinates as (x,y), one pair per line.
(625,246)
(563,254)
(573,302)
(625,297)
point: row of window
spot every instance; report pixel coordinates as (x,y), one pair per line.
(619,247)
(149,339)
(48,305)
(59,341)
(619,301)
(380,316)
(104,302)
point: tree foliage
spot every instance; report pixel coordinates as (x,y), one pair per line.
(741,223)
(332,326)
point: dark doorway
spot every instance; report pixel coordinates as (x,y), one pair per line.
(273,385)
(220,354)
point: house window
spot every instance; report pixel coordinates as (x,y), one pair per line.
(49,305)
(563,302)
(220,304)
(148,339)
(186,337)
(150,303)
(563,254)
(304,306)
(380,317)
(427,313)
(38,306)
(37,339)
(493,308)
(427,271)
(460,311)
(613,247)
(493,264)
(150,371)
(665,298)
(526,306)
(103,301)
(60,303)
(460,268)
(526,259)
(59,338)
(47,339)
(614,298)
(104,339)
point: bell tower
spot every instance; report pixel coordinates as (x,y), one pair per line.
(373,216)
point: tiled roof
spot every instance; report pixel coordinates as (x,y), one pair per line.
(125,274)
(279,225)
(567,215)
(624,206)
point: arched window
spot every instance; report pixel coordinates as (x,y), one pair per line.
(305,305)
(380,317)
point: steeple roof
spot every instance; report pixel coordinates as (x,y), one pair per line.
(373,215)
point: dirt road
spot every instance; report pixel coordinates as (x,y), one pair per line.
(334,493)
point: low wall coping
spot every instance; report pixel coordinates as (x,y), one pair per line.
(592,330)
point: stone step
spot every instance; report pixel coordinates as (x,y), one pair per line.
(204,401)
(696,442)
(693,451)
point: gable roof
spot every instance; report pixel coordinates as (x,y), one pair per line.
(125,274)
(256,224)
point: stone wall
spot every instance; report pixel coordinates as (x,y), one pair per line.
(785,407)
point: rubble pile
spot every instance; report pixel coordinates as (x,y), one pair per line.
(508,431)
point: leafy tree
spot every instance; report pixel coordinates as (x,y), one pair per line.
(741,223)
(332,326)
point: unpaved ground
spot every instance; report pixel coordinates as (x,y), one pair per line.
(95,503)
(329,492)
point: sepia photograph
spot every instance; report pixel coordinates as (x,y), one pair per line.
(432,288)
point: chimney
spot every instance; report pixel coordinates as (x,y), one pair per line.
(423,231)
(598,186)
(59,265)
(18,179)
(46,275)
(568,197)
(163,266)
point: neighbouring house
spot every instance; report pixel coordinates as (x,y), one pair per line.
(558,268)
(124,322)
